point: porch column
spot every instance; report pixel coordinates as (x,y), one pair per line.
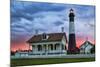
(42,48)
(33,48)
(46,49)
(61,48)
(36,48)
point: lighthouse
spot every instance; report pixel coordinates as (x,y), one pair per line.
(72,40)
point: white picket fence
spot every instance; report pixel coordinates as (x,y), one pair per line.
(56,56)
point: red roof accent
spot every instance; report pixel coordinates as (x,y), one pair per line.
(51,38)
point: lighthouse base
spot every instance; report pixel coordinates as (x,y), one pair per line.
(72,49)
(75,51)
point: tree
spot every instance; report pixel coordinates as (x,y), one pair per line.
(12,53)
(93,49)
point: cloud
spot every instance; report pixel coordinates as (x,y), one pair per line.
(26,17)
(26,9)
(58,23)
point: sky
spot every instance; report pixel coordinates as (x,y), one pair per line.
(27,17)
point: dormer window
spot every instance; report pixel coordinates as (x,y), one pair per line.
(44,36)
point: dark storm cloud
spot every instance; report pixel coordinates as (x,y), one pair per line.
(27,9)
(57,23)
(20,14)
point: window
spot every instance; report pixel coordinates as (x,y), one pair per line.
(39,47)
(82,49)
(57,46)
(51,46)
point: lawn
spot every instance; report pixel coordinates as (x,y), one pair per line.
(41,61)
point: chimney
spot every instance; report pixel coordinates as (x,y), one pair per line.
(62,29)
(36,32)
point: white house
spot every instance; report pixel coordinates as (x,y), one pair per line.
(86,47)
(48,44)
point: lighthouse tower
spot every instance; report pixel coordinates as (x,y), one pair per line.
(72,40)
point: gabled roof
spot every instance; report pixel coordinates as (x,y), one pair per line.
(86,42)
(51,38)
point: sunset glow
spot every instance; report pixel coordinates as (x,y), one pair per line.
(27,17)
(25,46)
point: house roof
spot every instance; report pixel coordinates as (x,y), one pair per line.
(89,43)
(51,37)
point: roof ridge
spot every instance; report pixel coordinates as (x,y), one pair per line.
(53,37)
(86,41)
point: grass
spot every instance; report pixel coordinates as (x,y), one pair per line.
(41,61)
